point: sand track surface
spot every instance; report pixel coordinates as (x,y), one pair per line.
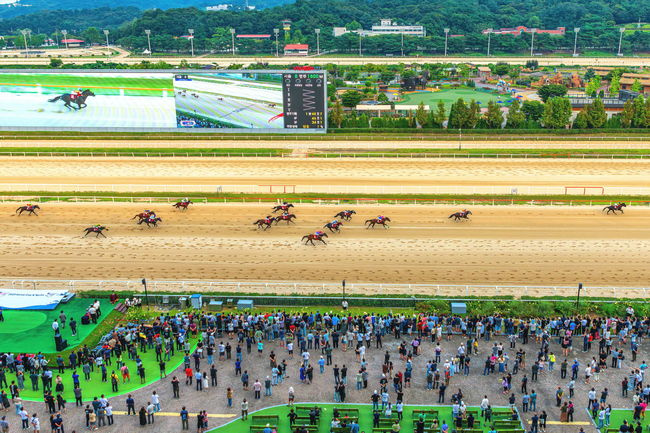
(500,245)
(305,172)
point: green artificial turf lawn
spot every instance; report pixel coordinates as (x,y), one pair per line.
(365,417)
(619,415)
(95,387)
(30,331)
(449,96)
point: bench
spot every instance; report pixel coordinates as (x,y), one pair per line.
(382,430)
(346,410)
(518,430)
(265,419)
(306,420)
(260,428)
(425,412)
(309,428)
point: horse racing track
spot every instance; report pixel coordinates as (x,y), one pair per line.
(497,245)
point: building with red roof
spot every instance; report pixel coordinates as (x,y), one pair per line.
(296,50)
(516,31)
(74,43)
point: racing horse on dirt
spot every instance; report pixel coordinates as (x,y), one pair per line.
(183,204)
(318,236)
(284,207)
(614,207)
(151,221)
(267,223)
(144,215)
(98,229)
(29,208)
(459,216)
(381,220)
(69,99)
(345,215)
(288,217)
(334,226)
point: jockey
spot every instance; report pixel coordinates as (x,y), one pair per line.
(185,200)
(75,94)
(319,233)
(380,218)
(267,220)
(335,222)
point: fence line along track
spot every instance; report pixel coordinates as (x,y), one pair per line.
(321,201)
(306,287)
(331,137)
(325,155)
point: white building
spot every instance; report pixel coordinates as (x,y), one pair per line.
(221,7)
(385,27)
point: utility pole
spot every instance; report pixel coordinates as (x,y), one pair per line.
(24,33)
(148,33)
(191,32)
(317,41)
(108,48)
(232,35)
(359,43)
(446,38)
(276,32)
(578,298)
(620,40)
(532,40)
(575,41)
(146,296)
(65,38)
(489,32)
(402,44)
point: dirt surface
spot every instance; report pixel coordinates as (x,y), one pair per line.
(500,245)
(330,175)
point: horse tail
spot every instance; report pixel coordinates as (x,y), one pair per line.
(55,99)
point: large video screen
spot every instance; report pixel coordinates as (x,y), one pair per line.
(164,100)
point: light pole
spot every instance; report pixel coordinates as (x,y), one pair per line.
(489,32)
(317,41)
(359,43)
(446,38)
(191,32)
(578,298)
(620,40)
(402,44)
(575,41)
(232,36)
(24,33)
(276,32)
(108,49)
(532,40)
(146,296)
(65,38)
(148,33)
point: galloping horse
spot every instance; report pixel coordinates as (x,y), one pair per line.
(345,215)
(288,217)
(69,100)
(182,205)
(95,229)
(614,208)
(283,207)
(334,226)
(380,220)
(151,221)
(318,236)
(264,222)
(144,215)
(458,216)
(30,208)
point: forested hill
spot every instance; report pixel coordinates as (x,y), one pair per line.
(72,20)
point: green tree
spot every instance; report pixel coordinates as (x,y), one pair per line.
(55,62)
(493,117)
(515,117)
(593,85)
(627,114)
(615,85)
(548,91)
(336,115)
(439,116)
(91,35)
(533,110)
(580,121)
(458,114)
(501,69)
(557,113)
(381,97)
(474,114)
(595,114)
(421,116)
(351,98)
(636,86)
(639,117)
(589,74)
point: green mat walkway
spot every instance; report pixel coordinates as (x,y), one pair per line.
(277,417)
(618,416)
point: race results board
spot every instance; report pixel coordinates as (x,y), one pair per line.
(304,100)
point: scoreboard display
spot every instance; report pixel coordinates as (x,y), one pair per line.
(304,100)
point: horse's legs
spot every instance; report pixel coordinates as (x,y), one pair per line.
(100,233)
(323,241)
(87,232)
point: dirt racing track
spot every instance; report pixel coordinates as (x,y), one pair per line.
(500,245)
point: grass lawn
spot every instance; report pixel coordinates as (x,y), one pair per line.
(620,415)
(25,330)
(95,387)
(449,96)
(365,418)
(100,84)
